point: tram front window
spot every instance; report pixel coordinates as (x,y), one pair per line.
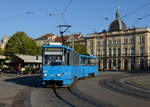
(53,60)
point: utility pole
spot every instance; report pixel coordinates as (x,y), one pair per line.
(72,42)
(62,30)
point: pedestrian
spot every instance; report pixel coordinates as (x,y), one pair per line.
(19,69)
(23,70)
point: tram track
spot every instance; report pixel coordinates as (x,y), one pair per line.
(116,85)
(71,98)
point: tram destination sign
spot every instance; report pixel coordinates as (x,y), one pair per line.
(53,53)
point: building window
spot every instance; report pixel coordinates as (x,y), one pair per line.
(142,40)
(132,51)
(104,43)
(125,51)
(126,41)
(132,41)
(110,42)
(92,52)
(104,50)
(110,52)
(142,64)
(105,64)
(110,63)
(98,52)
(114,62)
(126,64)
(114,42)
(114,51)
(91,43)
(142,50)
(133,63)
(119,42)
(119,52)
(99,38)
(119,64)
(98,43)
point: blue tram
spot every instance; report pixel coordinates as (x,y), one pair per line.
(62,65)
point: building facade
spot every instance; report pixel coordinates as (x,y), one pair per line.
(4,41)
(45,39)
(121,48)
(48,38)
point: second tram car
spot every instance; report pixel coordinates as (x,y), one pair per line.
(62,65)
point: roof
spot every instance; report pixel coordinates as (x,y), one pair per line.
(46,36)
(29,58)
(117,24)
(59,39)
(76,36)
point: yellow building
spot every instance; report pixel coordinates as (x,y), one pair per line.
(121,48)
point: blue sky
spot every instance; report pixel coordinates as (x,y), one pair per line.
(86,16)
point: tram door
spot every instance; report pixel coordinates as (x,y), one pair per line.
(67,68)
(83,66)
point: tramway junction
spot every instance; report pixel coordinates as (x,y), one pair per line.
(108,89)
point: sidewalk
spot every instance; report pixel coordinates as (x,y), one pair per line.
(8,91)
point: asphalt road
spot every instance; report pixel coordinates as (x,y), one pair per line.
(109,89)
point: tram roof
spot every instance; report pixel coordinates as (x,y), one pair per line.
(89,56)
(57,46)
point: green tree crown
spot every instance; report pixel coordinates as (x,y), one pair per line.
(20,43)
(80,48)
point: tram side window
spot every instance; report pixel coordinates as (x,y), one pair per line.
(84,61)
(89,61)
(92,61)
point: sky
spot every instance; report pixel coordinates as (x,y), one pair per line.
(39,17)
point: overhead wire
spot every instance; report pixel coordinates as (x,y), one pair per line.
(64,11)
(136,10)
(67,7)
(141,18)
(18,15)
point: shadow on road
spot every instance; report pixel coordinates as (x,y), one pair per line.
(31,81)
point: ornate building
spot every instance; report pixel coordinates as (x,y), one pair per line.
(121,48)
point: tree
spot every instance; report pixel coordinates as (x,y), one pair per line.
(1,51)
(20,43)
(80,48)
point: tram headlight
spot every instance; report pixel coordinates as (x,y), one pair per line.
(58,75)
(45,75)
